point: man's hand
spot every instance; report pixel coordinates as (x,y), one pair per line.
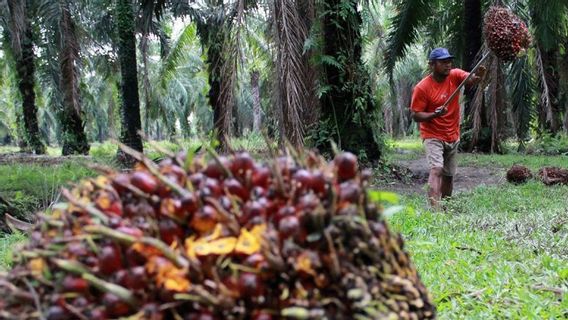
(481,71)
(440,111)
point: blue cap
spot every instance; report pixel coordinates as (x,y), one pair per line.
(440,54)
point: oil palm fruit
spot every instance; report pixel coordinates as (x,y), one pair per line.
(217,237)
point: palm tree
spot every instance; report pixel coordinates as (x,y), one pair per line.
(348,108)
(17,20)
(291,32)
(75,139)
(131,123)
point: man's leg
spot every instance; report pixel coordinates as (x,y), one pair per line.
(435,156)
(435,182)
(447,186)
(450,168)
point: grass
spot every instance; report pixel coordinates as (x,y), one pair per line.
(497,252)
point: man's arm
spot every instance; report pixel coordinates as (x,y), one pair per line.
(427,116)
(476,77)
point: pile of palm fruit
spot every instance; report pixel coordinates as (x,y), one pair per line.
(518,174)
(505,33)
(217,237)
(553,175)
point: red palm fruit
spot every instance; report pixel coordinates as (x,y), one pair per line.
(214,187)
(57,313)
(170,230)
(318,183)
(174,173)
(261,176)
(215,170)
(109,203)
(250,210)
(250,284)
(346,164)
(189,203)
(234,187)
(202,315)
(232,284)
(137,277)
(242,162)
(76,249)
(171,207)
(134,278)
(120,182)
(110,259)
(205,219)
(257,261)
(261,315)
(134,257)
(349,191)
(74,284)
(114,306)
(131,231)
(258,192)
(302,179)
(80,302)
(288,226)
(144,181)
(283,212)
(97,313)
(197,179)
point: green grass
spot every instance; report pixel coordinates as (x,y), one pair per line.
(494,254)
(8,242)
(533,162)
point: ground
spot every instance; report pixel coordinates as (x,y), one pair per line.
(412,177)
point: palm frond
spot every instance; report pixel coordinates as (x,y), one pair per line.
(522,86)
(550,22)
(290,36)
(178,52)
(403,31)
(545,101)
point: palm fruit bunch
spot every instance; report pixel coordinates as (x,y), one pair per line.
(505,33)
(205,236)
(518,174)
(553,175)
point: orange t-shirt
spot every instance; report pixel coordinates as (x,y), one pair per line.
(429,95)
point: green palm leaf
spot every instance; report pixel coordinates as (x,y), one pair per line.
(403,31)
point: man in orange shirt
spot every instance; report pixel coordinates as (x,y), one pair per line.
(440,126)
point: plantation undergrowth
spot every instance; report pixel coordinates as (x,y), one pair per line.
(496,252)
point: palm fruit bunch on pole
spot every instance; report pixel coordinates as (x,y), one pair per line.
(217,237)
(505,33)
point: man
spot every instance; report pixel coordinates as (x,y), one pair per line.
(440,126)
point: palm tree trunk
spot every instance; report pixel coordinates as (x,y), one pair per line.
(146,87)
(291,33)
(74,138)
(348,105)
(221,82)
(131,123)
(472,32)
(550,114)
(256,107)
(22,47)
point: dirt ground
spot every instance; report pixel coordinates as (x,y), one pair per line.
(413,177)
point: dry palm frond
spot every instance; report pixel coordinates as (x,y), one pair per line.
(545,96)
(17,21)
(477,102)
(291,32)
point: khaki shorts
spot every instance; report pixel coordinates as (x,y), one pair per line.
(441,154)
